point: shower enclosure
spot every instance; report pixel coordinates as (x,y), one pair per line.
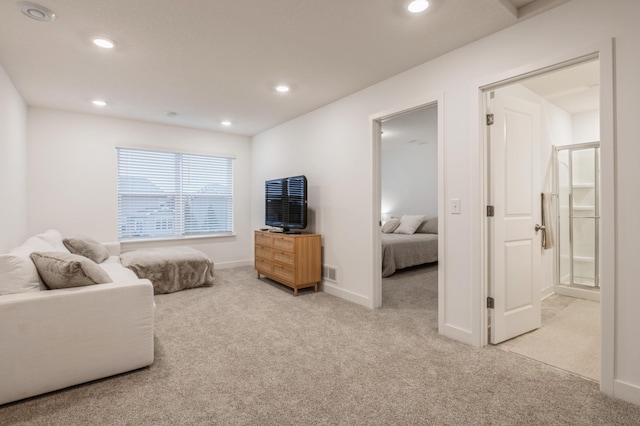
(577,178)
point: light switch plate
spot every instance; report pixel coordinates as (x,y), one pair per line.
(455,206)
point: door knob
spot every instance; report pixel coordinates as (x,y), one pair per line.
(539,227)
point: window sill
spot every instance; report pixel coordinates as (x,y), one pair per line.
(175,239)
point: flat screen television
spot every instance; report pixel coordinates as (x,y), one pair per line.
(286,203)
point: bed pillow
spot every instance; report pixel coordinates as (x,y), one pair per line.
(429,226)
(63,270)
(87,247)
(390,225)
(409,224)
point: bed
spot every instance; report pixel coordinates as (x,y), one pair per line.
(400,250)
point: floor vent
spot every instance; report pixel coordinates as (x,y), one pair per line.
(329,273)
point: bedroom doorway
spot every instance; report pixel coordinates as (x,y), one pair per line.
(521,156)
(409,189)
(407,161)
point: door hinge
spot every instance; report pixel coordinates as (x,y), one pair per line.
(490,211)
(489,119)
(490,303)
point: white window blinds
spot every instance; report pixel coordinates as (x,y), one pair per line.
(172,195)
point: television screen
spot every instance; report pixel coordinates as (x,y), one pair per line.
(286,203)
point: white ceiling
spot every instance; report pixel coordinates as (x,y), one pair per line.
(213,60)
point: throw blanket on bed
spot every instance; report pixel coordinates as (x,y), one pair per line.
(403,250)
(170,269)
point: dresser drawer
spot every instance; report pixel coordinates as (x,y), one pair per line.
(284,257)
(264,266)
(264,252)
(284,273)
(283,243)
(264,239)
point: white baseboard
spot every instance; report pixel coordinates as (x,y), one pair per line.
(235,264)
(546,292)
(459,334)
(626,392)
(334,290)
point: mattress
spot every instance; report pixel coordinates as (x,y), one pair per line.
(404,250)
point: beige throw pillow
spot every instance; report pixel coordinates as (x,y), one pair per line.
(390,225)
(429,226)
(63,270)
(87,247)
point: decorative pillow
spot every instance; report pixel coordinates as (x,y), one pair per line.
(63,270)
(390,225)
(429,226)
(19,275)
(87,247)
(409,224)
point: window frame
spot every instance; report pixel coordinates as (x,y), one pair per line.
(174,201)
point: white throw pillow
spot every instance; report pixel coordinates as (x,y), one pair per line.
(409,224)
(19,275)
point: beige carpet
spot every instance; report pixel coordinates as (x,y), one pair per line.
(246,352)
(569,340)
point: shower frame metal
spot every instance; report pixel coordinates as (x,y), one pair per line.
(596,216)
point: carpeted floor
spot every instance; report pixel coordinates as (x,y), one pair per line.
(246,352)
(569,339)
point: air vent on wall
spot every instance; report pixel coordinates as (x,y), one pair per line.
(329,273)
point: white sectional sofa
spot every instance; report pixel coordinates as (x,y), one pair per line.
(52,339)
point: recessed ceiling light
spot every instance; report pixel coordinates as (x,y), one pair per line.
(225,123)
(99,102)
(417,6)
(35,11)
(105,43)
(282,88)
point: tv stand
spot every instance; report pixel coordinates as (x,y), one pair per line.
(292,260)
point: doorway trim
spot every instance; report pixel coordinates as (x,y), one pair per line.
(604,51)
(375,122)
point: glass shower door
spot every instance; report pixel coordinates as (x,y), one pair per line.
(578,174)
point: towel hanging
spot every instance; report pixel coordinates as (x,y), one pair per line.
(547,220)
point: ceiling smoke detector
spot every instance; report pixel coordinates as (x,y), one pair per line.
(35,11)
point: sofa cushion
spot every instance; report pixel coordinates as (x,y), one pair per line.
(18,274)
(87,247)
(50,240)
(63,270)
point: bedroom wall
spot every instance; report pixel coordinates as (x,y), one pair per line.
(333,146)
(72,182)
(13,165)
(410,173)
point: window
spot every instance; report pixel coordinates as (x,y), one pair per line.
(173,195)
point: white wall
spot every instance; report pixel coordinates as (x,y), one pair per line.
(72,181)
(333,146)
(13,165)
(586,127)
(410,173)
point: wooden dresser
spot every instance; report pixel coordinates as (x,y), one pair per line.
(290,259)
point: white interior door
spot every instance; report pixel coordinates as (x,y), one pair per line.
(514,191)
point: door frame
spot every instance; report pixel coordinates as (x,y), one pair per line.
(375,121)
(604,52)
